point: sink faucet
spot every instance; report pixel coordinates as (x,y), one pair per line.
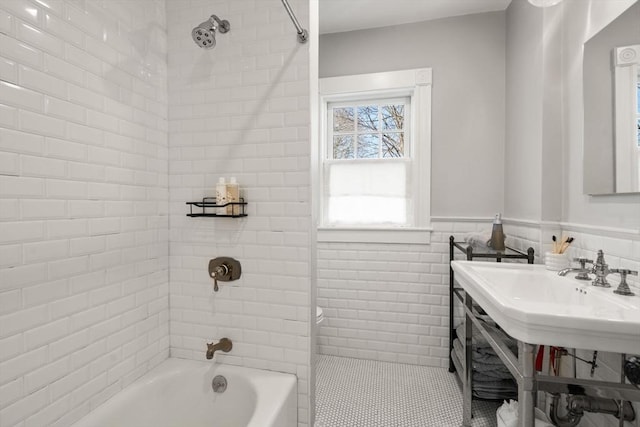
(583,272)
(601,270)
(224,344)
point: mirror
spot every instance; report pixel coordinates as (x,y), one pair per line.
(611,89)
(627,118)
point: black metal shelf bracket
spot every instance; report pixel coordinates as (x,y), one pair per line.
(209,205)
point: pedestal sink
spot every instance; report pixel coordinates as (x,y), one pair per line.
(535,305)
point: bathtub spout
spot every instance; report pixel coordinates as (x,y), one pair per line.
(224,345)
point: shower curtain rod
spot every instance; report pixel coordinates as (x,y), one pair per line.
(303,36)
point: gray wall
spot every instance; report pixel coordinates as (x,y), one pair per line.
(467,55)
(524,83)
(533,147)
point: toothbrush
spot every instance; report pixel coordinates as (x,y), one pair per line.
(566,244)
(561,243)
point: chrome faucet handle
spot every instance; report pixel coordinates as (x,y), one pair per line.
(583,274)
(583,261)
(623,287)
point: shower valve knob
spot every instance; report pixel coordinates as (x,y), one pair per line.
(224,269)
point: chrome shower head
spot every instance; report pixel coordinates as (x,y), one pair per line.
(205,34)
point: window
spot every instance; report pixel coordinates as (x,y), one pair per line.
(374,161)
(366,165)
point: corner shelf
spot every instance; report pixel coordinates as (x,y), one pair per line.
(238,208)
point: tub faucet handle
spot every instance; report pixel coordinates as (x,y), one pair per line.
(623,287)
(224,345)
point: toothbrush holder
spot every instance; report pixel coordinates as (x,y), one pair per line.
(556,262)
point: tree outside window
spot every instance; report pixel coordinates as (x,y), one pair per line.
(369,130)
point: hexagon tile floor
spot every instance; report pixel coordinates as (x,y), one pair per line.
(366,393)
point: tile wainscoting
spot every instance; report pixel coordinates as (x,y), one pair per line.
(389,302)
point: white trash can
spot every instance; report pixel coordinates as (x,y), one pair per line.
(507,415)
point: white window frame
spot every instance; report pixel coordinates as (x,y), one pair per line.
(415,84)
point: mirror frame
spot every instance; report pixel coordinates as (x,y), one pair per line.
(627,154)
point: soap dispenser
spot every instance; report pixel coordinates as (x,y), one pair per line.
(497,235)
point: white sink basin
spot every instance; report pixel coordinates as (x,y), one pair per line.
(537,306)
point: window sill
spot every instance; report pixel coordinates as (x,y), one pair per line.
(417,236)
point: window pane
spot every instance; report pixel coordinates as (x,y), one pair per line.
(367,118)
(393,117)
(393,144)
(368,146)
(343,119)
(343,147)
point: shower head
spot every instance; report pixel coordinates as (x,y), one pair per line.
(205,34)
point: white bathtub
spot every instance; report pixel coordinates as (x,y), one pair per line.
(178,393)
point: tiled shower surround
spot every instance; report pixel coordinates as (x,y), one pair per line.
(85,176)
(242,110)
(84,293)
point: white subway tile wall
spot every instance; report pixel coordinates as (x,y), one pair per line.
(384,302)
(242,109)
(388,302)
(83,204)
